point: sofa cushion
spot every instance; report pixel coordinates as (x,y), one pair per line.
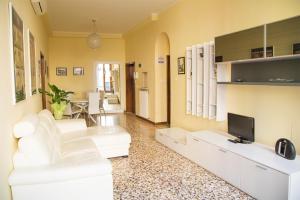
(70,125)
(101,136)
(35,150)
(26,126)
(76,147)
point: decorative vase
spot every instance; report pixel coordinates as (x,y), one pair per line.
(58,109)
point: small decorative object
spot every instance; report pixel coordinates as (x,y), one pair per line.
(61,71)
(18,55)
(285,148)
(59,100)
(78,71)
(259,52)
(181,65)
(94,40)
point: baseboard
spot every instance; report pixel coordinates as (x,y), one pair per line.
(148,120)
(154,123)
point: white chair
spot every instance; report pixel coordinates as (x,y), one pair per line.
(94,106)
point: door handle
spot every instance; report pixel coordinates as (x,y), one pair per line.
(196,139)
(260,167)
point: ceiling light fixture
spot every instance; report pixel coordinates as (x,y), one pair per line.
(93,39)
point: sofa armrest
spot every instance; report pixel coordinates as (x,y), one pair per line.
(70,125)
(76,167)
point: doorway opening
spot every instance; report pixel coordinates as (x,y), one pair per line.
(162,80)
(130,88)
(108,84)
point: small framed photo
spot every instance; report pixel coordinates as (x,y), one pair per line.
(181,65)
(78,71)
(61,71)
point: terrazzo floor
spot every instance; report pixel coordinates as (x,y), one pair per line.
(153,171)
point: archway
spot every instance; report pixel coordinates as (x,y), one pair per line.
(162,79)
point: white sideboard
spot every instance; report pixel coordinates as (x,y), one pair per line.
(253,168)
(144,103)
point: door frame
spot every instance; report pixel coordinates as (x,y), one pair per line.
(43,79)
(127,65)
(168,59)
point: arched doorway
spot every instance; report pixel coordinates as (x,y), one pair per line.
(162,79)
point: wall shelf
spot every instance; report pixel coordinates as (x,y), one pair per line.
(262,83)
(256,60)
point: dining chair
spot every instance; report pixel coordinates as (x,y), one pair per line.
(101,106)
(94,106)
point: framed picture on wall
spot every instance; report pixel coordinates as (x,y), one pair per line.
(78,71)
(181,65)
(61,71)
(18,55)
(32,63)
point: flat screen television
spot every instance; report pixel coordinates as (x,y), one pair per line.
(241,127)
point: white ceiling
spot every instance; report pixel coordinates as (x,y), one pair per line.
(113,16)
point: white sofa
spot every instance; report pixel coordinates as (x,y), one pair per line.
(64,159)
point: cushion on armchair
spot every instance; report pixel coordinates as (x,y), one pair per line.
(35,150)
(26,126)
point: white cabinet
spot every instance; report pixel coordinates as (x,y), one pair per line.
(253,168)
(263,182)
(143,96)
(199,152)
(217,160)
(174,138)
(226,165)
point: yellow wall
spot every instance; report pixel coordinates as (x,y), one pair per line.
(73,51)
(11,113)
(162,49)
(276,109)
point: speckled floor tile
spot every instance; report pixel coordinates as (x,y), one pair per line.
(155,172)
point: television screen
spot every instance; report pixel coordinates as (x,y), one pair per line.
(241,127)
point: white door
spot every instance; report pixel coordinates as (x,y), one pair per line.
(262,182)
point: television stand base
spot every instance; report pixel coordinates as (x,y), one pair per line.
(239,141)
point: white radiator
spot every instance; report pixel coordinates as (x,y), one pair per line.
(143,96)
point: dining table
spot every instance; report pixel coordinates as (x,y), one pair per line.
(82,104)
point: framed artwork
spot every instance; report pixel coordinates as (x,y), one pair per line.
(61,71)
(181,65)
(32,63)
(18,55)
(78,71)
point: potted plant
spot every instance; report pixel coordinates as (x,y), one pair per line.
(59,100)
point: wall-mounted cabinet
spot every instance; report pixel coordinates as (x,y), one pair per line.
(276,39)
(237,46)
(284,36)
